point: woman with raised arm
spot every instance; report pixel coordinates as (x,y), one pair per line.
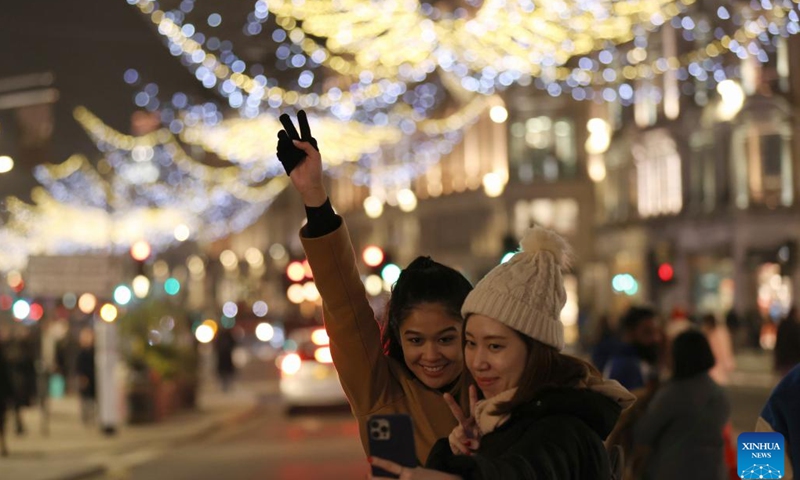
(544,415)
(417,357)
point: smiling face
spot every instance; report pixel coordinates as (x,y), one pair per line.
(431,341)
(495,355)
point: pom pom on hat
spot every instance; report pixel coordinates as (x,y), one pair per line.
(539,239)
(527,292)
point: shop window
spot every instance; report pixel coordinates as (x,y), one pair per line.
(658,175)
(560,215)
(543,149)
(616,190)
(712,285)
(761,160)
(703,187)
(774,300)
(646,103)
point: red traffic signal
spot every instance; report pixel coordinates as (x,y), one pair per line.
(665,272)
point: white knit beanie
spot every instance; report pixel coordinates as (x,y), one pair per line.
(527,292)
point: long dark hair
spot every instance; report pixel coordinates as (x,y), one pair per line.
(545,368)
(423,281)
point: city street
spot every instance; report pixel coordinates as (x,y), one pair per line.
(213,213)
(246,434)
(315,444)
(318,445)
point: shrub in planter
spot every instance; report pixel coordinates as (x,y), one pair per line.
(161,354)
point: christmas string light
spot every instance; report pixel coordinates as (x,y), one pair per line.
(81,210)
(502,35)
(275,96)
(734,42)
(233,179)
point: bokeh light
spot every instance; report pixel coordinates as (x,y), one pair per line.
(204,334)
(122,295)
(265,332)
(87,303)
(21,309)
(260,308)
(140,250)
(141,286)
(6,164)
(172,286)
(108,313)
(373,256)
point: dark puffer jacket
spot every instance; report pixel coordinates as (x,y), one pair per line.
(558,436)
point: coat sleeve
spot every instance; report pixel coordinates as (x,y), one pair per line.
(659,414)
(626,371)
(532,457)
(350,322)
(478,467)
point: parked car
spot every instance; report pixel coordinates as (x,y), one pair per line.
(308,377)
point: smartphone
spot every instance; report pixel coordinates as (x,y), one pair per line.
(391,437)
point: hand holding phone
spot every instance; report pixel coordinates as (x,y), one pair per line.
(391,437)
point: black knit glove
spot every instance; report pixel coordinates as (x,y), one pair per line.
(288,154)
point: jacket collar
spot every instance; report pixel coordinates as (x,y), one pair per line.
(596,401)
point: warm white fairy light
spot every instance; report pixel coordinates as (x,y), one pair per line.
(373,206)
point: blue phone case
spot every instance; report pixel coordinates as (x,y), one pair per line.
(391,437)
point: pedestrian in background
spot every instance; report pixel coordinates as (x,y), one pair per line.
(85,368)
(635,363)
(681,430)
(606,342)
(225,344)
(21,354)
(787,343)
(781,414)
(719,338)
(6,397)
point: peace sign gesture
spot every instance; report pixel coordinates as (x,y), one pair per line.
(465,438)
(299,155)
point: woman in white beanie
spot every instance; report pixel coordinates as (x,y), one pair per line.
(544,415)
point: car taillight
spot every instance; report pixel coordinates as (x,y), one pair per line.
(291,364)
(323,355)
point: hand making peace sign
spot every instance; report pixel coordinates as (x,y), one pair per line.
(299,155)
(465,438)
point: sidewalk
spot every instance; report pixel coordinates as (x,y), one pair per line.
(754,369)
(72,451)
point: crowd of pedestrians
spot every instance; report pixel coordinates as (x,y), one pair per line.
(18,384)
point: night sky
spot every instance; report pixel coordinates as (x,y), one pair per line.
(87,46)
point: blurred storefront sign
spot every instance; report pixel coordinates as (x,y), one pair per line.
(50,276)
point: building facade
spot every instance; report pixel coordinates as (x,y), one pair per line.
(701,208)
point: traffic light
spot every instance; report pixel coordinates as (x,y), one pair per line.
(666,272)
(662,263)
